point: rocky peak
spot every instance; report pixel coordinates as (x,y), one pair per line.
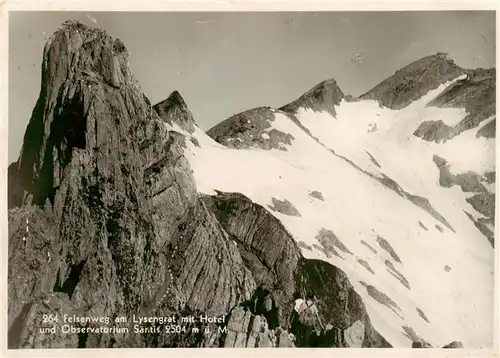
(251,129)
(322,97)
(414,80)
(90,52)
(477,95)
(175,110)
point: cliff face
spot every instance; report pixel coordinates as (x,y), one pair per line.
(413,81)
(107,222)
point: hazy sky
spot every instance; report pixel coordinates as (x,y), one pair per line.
(224,63)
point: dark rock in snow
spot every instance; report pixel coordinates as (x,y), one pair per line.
(389,183)
(266,247)
(398,275)
(477,95)
(322,97)
(381,297)
(485,225)
(490,177)
(454,344)
(118,228)
(420,344)
(422,226)
(482,201)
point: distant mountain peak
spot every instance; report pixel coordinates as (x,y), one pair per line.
(476,94)
(71,28)
(414,80)
(322,97)
(80,65)
(175,110)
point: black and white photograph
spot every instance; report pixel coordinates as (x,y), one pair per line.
(251,179)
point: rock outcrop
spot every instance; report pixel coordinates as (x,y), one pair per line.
(174,109)
(251,129)
(118,230)
(413,81)
(283,276)
(247,330)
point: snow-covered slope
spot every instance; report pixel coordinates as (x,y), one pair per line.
(361,191)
